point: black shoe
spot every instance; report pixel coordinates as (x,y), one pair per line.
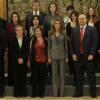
(33,96)
(1,96)
(93,95)
(78,95)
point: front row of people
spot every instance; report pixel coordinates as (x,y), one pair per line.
(82,46)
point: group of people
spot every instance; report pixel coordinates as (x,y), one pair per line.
(50,40)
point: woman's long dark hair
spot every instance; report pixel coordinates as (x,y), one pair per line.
(95,16)
(19,21)
(76,14)
(33,19)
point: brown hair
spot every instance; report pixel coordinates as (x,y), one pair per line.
(40,30)
(53,3)
(36,1)
(95,17)
(76,14)
(19,21)
(35,16)
(53,26)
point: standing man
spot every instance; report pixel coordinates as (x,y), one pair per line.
(2,46)
(83,44)
(35,11)
(3,23)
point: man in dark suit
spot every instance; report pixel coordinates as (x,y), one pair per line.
(2,46)
(2,23)
(35,11)
(83,44)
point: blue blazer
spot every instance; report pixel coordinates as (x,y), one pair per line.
(89,41)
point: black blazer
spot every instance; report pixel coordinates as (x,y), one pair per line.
(3,39)
(89,41)
(2,49)
(2,23)
(97,25)
(16,52)
(32,53)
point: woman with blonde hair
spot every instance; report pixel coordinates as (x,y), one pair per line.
(57,56)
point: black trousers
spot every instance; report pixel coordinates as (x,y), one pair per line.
(10,70)
(84,65)
(38,79)
(19,80)
(72,69)
(1,74)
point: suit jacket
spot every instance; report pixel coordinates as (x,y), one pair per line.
(57,47)
(29,17)
(17,52)
(2,47)
(97,25)
(2,23)
(89,41)
(3,40)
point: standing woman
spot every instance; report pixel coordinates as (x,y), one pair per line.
(92,17)
(14,21)
(35,22)
(93,20)
(19,47)
(38,59)
(52,14)
(71,25)
(57,56)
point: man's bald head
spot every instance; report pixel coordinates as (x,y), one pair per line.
(82,19)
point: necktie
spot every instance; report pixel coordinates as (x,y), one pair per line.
(81,39)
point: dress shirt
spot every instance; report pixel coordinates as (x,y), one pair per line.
(36,13)
(83,28)
(20,42)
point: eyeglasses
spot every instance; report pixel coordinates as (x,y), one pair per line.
(19,30)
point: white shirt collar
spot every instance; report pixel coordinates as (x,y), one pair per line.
(34,13)
(83,26)
(20,42)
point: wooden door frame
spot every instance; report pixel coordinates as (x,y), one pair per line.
(3,10)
